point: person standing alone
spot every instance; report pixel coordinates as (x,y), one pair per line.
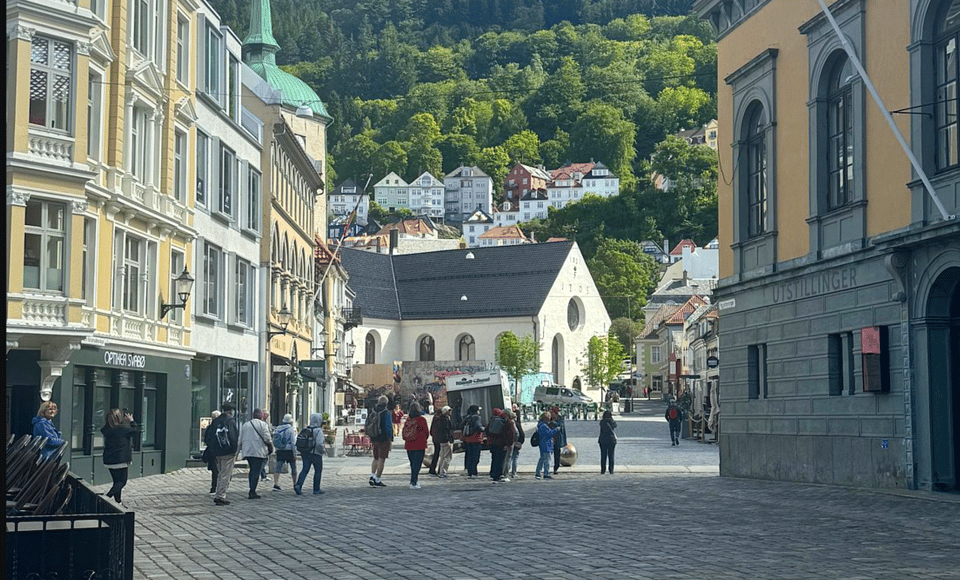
(608,442)
(118,432)
(674,416)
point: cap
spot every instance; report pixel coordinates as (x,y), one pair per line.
(445,409)
(288,418)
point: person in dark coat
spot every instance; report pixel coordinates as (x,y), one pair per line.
(608,442)
(674,417)
(560,441)
(473,442)
(118,432)
(225,449)
(210,459)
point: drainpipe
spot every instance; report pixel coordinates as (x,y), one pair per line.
(851,53)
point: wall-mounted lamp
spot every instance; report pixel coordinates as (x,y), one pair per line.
(336,345)
(283,317)
(351,348)
(184,285)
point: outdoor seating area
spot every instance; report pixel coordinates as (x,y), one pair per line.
(356,443)
(35,484)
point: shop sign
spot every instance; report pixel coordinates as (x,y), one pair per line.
(124,359)
(712,362)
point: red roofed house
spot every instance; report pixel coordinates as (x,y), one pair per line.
(503,236)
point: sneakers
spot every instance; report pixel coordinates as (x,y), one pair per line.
(298,490)
(372,481)
(504,480)
(253,495)
(548,477)
(474,476)
(537,476)
(415,486)
(380,484)
(276,488)
(218,501)
(318,492)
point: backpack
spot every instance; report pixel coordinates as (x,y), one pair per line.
(468,427)
(496,426)
(409,431)
(278,442)
(672,413)
(223,435)
(374,425)
(535,439)
(306,440)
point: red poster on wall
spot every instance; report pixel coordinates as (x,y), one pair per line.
(870,340)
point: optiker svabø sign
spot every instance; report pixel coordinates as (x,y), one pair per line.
(124,359)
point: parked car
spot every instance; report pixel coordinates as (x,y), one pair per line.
(558,395)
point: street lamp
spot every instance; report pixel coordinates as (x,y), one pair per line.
(283,317)
(351,348)
(184,284)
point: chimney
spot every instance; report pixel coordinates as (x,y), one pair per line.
(666,246)
(394,239)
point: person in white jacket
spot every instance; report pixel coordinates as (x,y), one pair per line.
(285,444)
(255,446)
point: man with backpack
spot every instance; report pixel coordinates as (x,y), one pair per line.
(472,440)
(222,437)
(674,416)
(379,427)
(441,429)
(285,442)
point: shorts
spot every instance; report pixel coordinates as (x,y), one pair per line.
(381,449)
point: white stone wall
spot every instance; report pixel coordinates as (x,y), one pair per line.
(218,339)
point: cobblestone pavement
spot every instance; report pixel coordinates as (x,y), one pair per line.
(649,521)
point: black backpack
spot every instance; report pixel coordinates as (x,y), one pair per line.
(535,439)
(306,440)
(469,428)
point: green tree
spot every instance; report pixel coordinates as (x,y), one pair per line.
(517,356)
(456,150)
(603,361)
(602,133)
(355,156)
(391,156)
(559,98)
(556,151)
(624,276)
(495,162)
(524,147)
(625,330)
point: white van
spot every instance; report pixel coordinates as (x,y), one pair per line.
(559,395)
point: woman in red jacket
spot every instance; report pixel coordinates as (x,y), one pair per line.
(415,433)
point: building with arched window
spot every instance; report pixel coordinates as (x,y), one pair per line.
(839,283)
(452,305)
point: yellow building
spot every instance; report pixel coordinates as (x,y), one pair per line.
(294,213)
(97,227)
(839,258)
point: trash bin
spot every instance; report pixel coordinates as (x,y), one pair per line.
(628,406)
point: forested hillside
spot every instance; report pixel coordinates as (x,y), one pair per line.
(418,85)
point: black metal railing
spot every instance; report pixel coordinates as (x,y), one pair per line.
(352,317)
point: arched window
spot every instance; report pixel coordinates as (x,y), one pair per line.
(756,174)
(426,349)
(466,348)
(947,72)
(556,356)
(370,349)
(839,123)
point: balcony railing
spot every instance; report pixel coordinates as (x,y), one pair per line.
(352,317)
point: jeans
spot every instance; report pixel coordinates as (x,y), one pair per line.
(119,477)
(416,463)
(224,474)
(674,431)
(311,460)
(606,455)
(471,457)
(544,463)
(256,466)
(496,461)
(514,457)
(446,454)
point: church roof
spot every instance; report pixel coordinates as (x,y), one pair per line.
(506,281)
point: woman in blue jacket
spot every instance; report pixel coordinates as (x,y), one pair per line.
(546,435)
(43,427)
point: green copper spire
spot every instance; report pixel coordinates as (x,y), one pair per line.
(260,45)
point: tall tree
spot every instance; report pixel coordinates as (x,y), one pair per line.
(624,276)
(603,361)
(602,133)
